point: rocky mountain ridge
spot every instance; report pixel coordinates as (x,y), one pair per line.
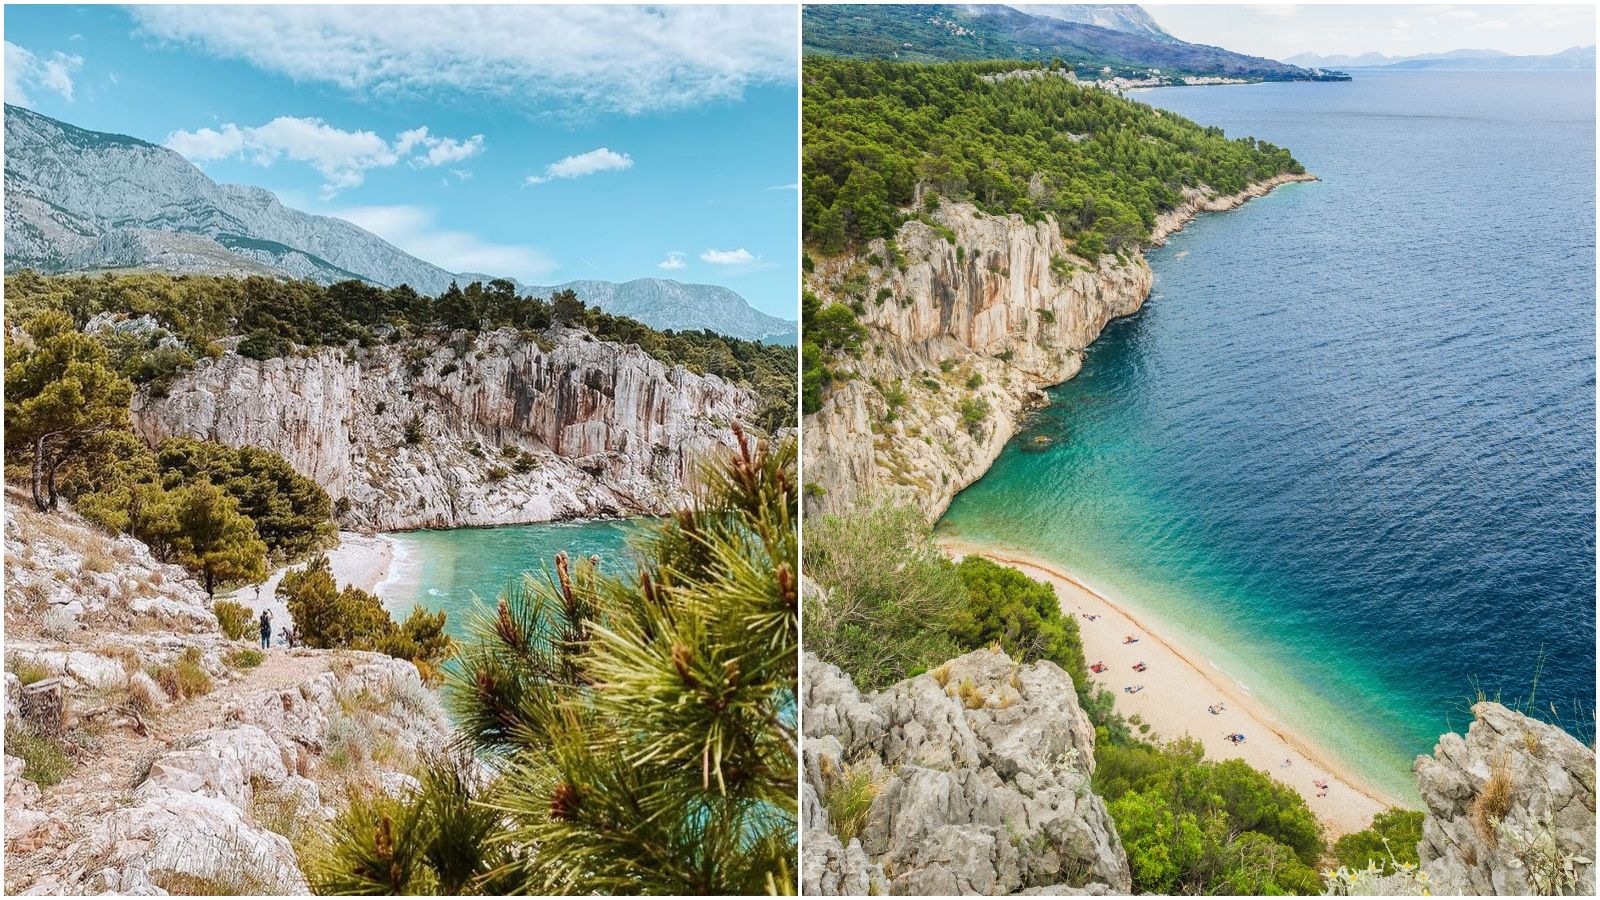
(991,315)
(445,432)
(87,201)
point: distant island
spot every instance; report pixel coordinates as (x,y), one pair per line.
(1571,59)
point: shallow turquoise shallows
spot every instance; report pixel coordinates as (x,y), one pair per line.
(458,569)
(1347,449)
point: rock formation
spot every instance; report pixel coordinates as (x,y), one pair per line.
(1510,808)
(503,428)
(971,308)
(180,794)
(979,784)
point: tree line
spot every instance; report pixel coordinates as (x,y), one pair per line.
(274,317)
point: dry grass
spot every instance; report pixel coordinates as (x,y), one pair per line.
(1531,742)
(185,678)
(1494,799)
(970,696)
(849,794)
(941,674)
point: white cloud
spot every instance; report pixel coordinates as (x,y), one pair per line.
(673,262)
(739,257)
(341,157)
(439,151)
(599,159)
(793,186)
(412,229)
(27,71)
(575,59)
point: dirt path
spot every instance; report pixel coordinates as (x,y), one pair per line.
(103,779)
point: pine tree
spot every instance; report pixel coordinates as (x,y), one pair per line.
(60,393)
(641,729)
(213,538)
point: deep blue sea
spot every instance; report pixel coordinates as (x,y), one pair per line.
(463,570)
(1347,447)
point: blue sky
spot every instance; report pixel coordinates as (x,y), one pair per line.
(560,142)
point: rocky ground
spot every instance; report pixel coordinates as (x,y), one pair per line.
(187,765)
(979,774)
(1510,808)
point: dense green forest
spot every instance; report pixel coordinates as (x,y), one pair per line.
(941,33)
(895,607)
(1103,167)
(273,316)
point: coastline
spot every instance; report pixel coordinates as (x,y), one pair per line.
(363,561)
(1179,686)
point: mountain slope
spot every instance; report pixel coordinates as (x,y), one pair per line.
(663,303)
(85,201)
(933,33)
(1125,17)
(72,195)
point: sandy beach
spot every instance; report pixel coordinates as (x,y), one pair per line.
(362,560)
(1178,688)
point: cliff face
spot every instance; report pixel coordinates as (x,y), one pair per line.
(432,433)
(991,317)
(981,771)
(1511,809)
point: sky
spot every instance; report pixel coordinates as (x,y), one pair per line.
(1277,31)
(544,143)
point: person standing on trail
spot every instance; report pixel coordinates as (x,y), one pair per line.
(266,629)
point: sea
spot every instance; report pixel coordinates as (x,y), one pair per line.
(464,570)
(1346,451)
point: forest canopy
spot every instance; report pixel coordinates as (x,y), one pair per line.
(1009,137)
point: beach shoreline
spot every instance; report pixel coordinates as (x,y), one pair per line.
(1179,687)
(364,561)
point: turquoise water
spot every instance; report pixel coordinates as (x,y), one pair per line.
(461,569)
(1347,448)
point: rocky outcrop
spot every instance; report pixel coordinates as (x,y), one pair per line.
(190,792)
(1510,808)
(968,318)
(978,779)
(441,432)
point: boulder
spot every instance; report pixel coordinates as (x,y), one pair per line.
(1510,808)
(984,768)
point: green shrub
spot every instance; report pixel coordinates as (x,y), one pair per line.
(235,619)
(1024,616)
(974,412)
(244,658)
(1392,839)
(184,679)
(890,597)
(330,618)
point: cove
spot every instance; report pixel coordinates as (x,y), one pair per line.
(1345,452)
(462,570)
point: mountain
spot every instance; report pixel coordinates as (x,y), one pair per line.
(1575,58)
(87,201)
(663,303)
(933,33)
(1124,17)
